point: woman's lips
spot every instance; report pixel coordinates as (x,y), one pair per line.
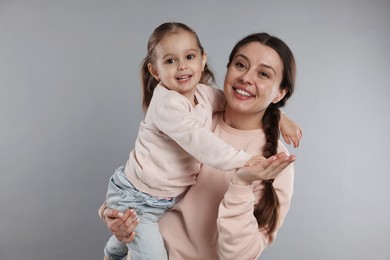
(242,92)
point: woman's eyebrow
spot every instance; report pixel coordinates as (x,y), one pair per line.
(242,56)
(261,64)
(267,66)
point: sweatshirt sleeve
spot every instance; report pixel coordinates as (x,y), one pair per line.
(238,234)
(174,117)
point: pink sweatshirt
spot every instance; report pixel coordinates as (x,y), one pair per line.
(175,138)
(215,219)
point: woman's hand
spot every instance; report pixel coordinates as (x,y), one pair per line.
(122,225)
(265,169)
(290,131)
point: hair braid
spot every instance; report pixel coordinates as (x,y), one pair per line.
(267,211)
(271,129)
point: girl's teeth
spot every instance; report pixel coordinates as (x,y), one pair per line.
(183,77)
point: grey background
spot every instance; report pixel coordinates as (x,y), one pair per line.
(70,105)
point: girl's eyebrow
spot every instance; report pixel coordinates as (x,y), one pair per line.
(170,54)
(261,64)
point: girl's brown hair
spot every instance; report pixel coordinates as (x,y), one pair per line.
(267,212)
(149,83)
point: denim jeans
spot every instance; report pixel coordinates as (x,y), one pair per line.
(148,243)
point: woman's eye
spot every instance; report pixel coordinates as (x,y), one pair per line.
(240,65)
(264,75)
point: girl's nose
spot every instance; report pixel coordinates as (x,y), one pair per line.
(181,65)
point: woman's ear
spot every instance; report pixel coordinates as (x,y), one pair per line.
(153,71)
(280,96)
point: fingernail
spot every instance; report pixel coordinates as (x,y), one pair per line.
(120,214)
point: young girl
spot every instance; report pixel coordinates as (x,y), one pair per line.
(173,140)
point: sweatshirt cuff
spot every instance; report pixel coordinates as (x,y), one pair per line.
(240,193)
(244,157)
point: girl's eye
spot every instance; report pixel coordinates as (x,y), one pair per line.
(190,56)
(240,65)
(170,61)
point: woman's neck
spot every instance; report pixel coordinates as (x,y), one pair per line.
(243,121)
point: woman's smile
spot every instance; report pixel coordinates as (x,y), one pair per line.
(243,93)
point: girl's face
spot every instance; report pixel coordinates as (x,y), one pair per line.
(253,78)
(178,63)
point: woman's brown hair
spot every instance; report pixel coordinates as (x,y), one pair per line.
(149,83)
(267,211)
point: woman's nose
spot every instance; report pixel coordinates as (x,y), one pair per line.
(247,77)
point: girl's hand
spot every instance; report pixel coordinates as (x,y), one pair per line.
(290,131)
(266,169)
(122,225)
(254,160)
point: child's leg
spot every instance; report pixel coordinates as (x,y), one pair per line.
(115,249)
(148,242)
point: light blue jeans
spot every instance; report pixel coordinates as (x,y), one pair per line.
(148,243)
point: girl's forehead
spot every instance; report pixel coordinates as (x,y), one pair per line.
(180,34)
(176,42)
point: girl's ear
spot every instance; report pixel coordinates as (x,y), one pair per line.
(280,96)
(153,71)
(204,60)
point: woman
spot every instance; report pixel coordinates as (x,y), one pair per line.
(236,215)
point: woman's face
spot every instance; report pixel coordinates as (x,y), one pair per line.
(253,78)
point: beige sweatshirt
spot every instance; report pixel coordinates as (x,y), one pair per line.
(215,219)
(175,138)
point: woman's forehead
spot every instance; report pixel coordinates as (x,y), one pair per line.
(259,54)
